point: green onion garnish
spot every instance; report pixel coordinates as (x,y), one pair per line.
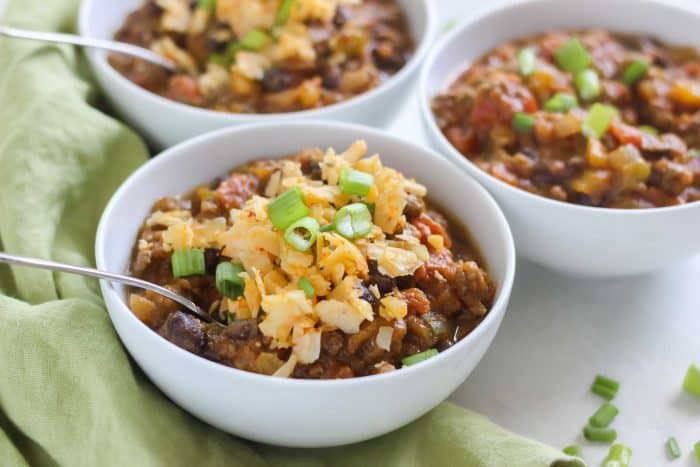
(691,383)
(619,456)
(588,84)
(603,391)
(634,72)
(255,39)
(573,450)
(219,59)
(648,129)
(673,449)
(283,13)
(419,357)
(229,283)
(604,416)
(353,221)
(608,382)
(306,286)
(187,263)
(523,122)
(208,5)
(354,182)
(696,448)
(604,435)
(301,235)
(598,120)
(527,61)
(327,227)
(573,56)
(287,208)
(560,102)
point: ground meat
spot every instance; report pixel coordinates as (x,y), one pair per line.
(234,191)
(418,303)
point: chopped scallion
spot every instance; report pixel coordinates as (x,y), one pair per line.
(306,286)
(604,435)
(573,56)
(573,450)
(287,208)
(283,13)
(603,391)
(691,382)
(588,84)
(228,280)
(634,72)
(674,450)
(648,129)
(301,235)
(696,448)
(419,357)
(527,61)
(187,263)
(208,5)
(523,122)
(355,182)
(327,227)
(604,416)
(618,456)
(353,221)
(255,39)
(598,120)
(560,102)
(608,382)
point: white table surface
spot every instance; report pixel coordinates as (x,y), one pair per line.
(560,331)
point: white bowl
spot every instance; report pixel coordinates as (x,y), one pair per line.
(302,413)
(165,122)
(574,239)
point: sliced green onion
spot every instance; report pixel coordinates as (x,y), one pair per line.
(608,382)
(283,13)
(691,383)
(648,129)
(354,182)
(523,122)
(604,435)
(301,235)
(573,56)
(287,208)
(588,84)
(598,120)
(560,102)
(695,152)
(619,456)
(208,5)
(634,72)
(419,357)
(674,450)
(696,448)
(255,39)
(353,221)
(573,450)
(219,59)
(187,263)
(603,391)
(327,227)
(229,283)
(306,286)
(527,61)
(604,416)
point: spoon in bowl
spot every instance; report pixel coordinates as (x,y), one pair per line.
(112,46)
(189,305)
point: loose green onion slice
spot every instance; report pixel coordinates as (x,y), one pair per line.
(603,391)
(228,280)
(301,235)
(573,450)
(560,102)
(353,221)
(188,263)
(219,59)
(327,227)
(696,448)
(588,84)
(634,72)
(523,122)
(283,13)
(419,357)
(604,416)
(573,56)
(618,456)
(208,5)
(604,435)
(306,286)
(287,208)
(527,61)
(691,383)
(598,120)
(354,182)
(608,382)
(673,449)
(254,40)
(648,129)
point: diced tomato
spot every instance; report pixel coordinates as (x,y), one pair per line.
(184,89)
(626,134)
(498,104)
(427,226)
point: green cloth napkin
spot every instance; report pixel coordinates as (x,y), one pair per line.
(69,394)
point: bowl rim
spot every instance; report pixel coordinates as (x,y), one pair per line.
(485,178)
(493,318)
(98,59)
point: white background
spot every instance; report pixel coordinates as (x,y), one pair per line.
(559,332)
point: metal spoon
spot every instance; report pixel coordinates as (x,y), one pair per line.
(113,46)
(141,284)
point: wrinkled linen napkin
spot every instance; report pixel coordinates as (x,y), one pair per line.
(69,394)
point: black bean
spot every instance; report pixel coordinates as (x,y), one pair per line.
(277,79)
(185,331)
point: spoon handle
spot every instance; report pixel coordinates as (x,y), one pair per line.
(83,271)
(113,46)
